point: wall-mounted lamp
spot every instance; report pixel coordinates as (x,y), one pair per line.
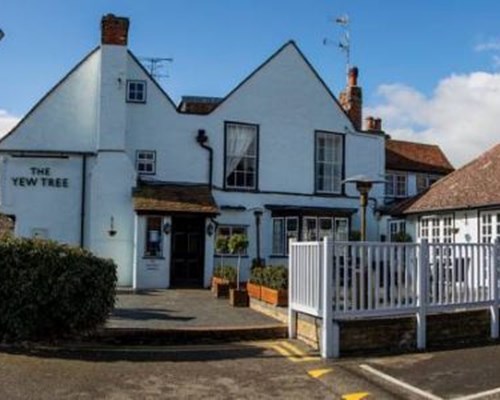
(210,229)
(167,228)
(112,230)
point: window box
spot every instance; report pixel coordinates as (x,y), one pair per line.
(254,290)
(275,297)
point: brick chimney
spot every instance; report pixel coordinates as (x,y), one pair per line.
(114,30)
(351,98)
(373,124)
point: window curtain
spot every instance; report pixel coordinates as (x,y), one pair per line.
(239,140)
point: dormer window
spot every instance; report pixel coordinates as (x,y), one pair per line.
(136,91)
(145,162)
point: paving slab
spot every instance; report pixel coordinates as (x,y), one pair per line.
(182,309)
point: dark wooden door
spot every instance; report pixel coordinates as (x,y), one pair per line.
(188,248)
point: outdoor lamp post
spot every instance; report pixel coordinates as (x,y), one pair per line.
(363,185)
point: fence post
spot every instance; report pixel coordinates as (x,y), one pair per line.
(422,294)
(292,314)
(329,343)
(494,289)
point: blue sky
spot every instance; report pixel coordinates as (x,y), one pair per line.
(406,50)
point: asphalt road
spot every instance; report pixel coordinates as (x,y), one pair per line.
(241,371)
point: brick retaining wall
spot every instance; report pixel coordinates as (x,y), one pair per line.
(395,334)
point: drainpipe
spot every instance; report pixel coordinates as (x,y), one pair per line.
(82,202)
(257,214)
(202,139)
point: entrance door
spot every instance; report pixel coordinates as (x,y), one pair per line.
(188,248)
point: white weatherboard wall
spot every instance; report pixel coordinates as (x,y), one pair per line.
(45,196)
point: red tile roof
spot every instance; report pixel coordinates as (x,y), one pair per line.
(418,157)
(170,198)
(475,185)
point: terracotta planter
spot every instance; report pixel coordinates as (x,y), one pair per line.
(254,290)
(238,298)
(220,287)
(274,297)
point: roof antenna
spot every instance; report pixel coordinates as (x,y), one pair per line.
(156,66)
(345,40)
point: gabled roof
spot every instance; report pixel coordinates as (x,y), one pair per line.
(287,45)
(418,157)
(475,185)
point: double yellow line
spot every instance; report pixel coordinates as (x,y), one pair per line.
(291,352)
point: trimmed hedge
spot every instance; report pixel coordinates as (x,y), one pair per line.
(271,276)
(49,290)
(226,272)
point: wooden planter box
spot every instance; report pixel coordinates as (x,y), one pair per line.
(220,287)
(274,297)
(254,290)
(238,298)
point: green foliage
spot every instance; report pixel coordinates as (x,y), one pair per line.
(258,263)
(50,290)
(275,277)
(226,272)
(402,237)
(354,236)
(257,275)
(238,243)
(221,244)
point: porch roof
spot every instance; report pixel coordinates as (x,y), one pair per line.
(304,210)
(174,198)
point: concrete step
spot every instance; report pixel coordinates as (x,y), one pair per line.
(191,335)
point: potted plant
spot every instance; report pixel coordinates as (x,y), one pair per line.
(238,244)
(274,288)
(223,279)
(254,285)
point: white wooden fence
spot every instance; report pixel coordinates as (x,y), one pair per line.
(346,280)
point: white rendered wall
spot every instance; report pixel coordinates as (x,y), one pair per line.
(67,117)
(47,197)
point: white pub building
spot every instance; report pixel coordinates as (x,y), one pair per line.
(107,161)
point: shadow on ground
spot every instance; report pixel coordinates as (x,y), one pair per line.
(131,354)
(147,314)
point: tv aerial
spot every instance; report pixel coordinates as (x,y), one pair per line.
(156,66)
(344,43)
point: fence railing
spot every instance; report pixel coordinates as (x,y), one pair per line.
(341,280)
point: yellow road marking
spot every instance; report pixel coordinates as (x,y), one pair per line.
(317,373)
(355,396)
(281,349)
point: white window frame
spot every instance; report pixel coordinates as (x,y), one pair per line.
(489,226)
(231,231)
(144,158)
(394,182)
(394,227)
(437,228)
(282,237)
(150,235)
(329,162)
(247,163)
(136,91)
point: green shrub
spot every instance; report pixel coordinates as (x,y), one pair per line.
(50,290)
(257,275)
(275,277)
(226,272)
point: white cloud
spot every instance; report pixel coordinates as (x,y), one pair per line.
(7,122)
(462,115)
(490,45)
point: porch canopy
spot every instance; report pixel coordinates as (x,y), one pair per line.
(161,198)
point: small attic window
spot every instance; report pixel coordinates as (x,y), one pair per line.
(136,91)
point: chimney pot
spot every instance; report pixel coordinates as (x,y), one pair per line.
(114,30)
(352,76)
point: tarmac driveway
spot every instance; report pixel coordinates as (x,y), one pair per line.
(463,374)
